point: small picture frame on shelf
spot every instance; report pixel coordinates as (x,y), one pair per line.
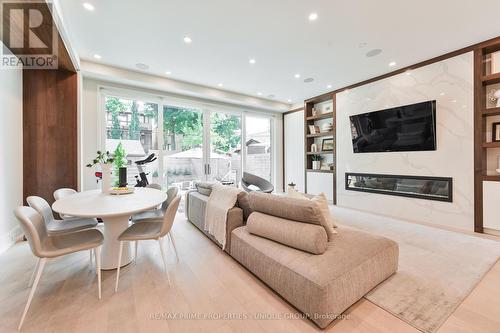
(495,132)
(314,129)
(327,145)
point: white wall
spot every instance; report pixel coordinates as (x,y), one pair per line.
(11,152)
(450,82)
(294,149)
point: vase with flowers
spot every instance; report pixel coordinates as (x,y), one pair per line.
(106,162)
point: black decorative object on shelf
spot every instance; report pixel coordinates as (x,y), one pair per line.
(122,177)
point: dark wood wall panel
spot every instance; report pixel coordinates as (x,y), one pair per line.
(49,131)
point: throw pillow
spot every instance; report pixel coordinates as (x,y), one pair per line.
(322,203)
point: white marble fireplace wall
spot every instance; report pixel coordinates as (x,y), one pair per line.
(450,82)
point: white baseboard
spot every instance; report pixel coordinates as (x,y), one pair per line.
(10,238)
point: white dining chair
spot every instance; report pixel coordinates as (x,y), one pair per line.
(149,231)
(57,227)
(61,193)
(157,215)
(46,246)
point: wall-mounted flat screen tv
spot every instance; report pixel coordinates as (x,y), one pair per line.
(405,128)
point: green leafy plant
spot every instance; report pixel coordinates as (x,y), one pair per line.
(120,160)
(104,158)
(317,157)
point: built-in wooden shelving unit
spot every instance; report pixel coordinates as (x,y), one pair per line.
(318,118)
(483,78)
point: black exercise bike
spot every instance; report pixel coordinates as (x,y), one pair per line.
(142,179)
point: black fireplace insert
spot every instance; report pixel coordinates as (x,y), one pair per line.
(421,187)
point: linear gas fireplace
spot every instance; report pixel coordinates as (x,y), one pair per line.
(430,188)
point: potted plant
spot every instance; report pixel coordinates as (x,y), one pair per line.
(120,161)
(316,162)
(106,162)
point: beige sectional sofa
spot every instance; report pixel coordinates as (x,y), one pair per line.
(196,203)
(285,244)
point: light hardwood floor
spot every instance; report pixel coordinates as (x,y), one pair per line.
(205,281)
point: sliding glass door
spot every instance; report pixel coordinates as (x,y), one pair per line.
(258,146)
(184,153)
(193,142)
(224,162)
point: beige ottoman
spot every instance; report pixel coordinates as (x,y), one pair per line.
(321,286)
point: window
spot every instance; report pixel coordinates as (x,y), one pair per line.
(193,142)
(258,146)
(127,129)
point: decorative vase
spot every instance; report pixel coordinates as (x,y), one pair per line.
(316,165)
(106,169)
(291,187)
(314,148)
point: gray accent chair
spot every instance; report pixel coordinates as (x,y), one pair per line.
(149,231)
(261,184)
(46,246)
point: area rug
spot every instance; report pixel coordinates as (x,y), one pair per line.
(437,268)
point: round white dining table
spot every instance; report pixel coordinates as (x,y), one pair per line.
(115,211)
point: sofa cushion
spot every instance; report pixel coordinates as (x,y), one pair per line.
(327,222)
(204,188)
(288,208)
(302,236)
(244,203)
(321,286)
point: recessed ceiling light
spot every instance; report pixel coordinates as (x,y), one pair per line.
(329,86)
(168,72)
(373,53)
(220,85)
(187,40)
(289,100)
(453,100)
(297,76)
(141,66)
(88,6)
(252,61)
(441,94)
(313,16)
(259,93)
(96,56)
(392,64)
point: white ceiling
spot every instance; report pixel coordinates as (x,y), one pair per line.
(227,33)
